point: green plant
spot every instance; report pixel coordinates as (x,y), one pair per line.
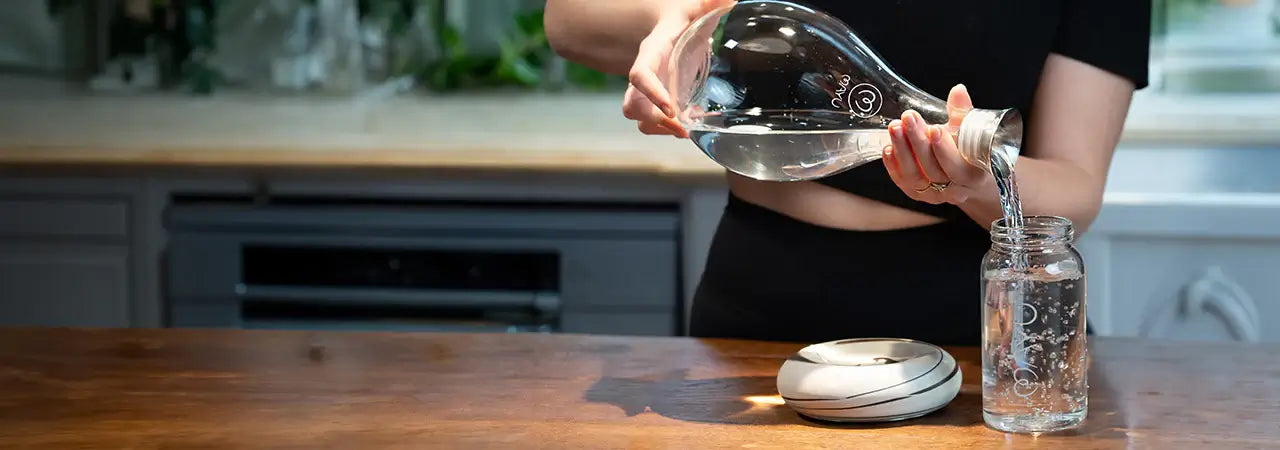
(521,61)
(1180,13)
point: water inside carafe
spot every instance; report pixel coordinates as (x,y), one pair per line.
(785,146)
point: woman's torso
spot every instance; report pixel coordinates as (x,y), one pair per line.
(996,48)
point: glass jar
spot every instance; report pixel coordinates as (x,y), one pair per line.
(1034,349)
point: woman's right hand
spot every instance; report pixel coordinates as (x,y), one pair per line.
(647,101)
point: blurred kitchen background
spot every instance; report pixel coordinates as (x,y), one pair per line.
(431,165)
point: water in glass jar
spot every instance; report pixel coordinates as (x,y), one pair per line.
(785,146)
(1034,348)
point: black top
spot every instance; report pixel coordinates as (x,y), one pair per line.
(996,48)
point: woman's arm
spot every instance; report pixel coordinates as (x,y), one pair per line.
(606,34)
(1077,118)
(1098,58)
(632,37)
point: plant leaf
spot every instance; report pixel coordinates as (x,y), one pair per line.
(525,73)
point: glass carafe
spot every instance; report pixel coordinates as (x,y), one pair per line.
(1034,349)
(775,90)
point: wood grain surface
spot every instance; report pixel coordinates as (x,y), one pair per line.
(134,388)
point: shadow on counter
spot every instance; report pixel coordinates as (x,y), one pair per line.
(745,401)
(754,400)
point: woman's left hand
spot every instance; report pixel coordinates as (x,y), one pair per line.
(924,160)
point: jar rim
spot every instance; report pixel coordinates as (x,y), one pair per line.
(1036,224)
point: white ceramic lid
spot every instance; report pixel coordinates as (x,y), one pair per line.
(869,379)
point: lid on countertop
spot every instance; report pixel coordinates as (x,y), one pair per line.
(870,379)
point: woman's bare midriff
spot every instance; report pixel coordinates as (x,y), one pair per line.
(826,206)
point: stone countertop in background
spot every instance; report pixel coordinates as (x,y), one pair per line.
(522,132)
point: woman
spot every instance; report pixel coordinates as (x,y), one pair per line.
(870,252)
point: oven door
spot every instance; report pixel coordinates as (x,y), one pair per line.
(325,308)
(370,284)
(308,264)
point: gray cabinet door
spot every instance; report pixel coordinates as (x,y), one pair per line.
(1185,266)
(1193,288)
(64,285)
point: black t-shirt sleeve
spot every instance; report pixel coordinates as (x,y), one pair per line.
(1113,35)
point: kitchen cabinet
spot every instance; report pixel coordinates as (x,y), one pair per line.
(37,217)
(1186,252)
(64,285)
(1185,271)
(66,256)
(1189,251)
(93,250)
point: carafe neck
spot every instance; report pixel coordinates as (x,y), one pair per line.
(988,135)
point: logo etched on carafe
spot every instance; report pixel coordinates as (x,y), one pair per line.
(862,99)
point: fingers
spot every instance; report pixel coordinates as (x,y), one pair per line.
(948,157)
(918,135)
(902,157)
(919,188)
(637,107)
(647,100)
(922,154)
(902,164)
(958,105)
(663,128)
(708,5)
(915,186)
(646,82)
(653,128)
(650,61)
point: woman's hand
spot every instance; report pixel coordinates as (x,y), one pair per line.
(646,100)
(925,162)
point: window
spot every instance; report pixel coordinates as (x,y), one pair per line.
(1215,46)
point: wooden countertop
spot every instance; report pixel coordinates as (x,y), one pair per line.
(491,132)
(234,388)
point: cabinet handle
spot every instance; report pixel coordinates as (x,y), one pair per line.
(1214,293)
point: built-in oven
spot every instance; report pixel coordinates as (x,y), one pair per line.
(303,285)
(306,263)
